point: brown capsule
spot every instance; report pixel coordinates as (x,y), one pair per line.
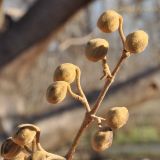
(136,42)
(96,49)
(24,136)
(30,126)
(117,117)
(65,72)
(109,21)
(102,139)
(56,92)
(10,149)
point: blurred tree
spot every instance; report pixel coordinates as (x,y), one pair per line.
(42,19)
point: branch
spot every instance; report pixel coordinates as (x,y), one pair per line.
(42,19)
(88,119)
(108,82)
(2,16)
(76,41)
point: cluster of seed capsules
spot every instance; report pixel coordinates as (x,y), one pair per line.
(96,50)
(25,145)
(116,117)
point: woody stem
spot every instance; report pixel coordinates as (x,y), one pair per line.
(85,124)
(88,119)
(108,83)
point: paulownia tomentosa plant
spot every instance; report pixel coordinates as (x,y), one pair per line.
(25,145)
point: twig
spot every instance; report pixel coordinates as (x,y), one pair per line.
(78,72)
(88,118)
(79,98)
(106,69)
(121,33)
(76,41)
(85,124)
(108,83)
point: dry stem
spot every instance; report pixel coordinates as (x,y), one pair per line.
(79,98)
(91,113)
(89,118)
(106,69)
(121,33)
(85,124)
(78,82)
(108,82)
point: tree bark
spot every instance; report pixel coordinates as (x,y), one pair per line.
(42,19)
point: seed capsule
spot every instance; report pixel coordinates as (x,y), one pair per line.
(117,117)
(25,134)
(109,21)
(102,139)
(56,92)
(65,72)
(30,126)
(96,49)
(136,42)
(10,149)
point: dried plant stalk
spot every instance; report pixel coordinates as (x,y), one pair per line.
(88,118)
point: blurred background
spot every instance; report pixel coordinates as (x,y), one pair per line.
(36,36)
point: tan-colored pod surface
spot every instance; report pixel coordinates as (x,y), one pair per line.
(117,117)
(25,134)
(109,21)
(10,149)
(27,125)
(65,72)
(102,139)
(21,156)
(137,41)
(96,49)
(56,92)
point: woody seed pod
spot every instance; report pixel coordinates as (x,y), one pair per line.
(24,135)
(30,126)
(109,21)
(102,139)
(56,92)
(136,42)
(117,117)
(65,72)
(10,149)
(96,49)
